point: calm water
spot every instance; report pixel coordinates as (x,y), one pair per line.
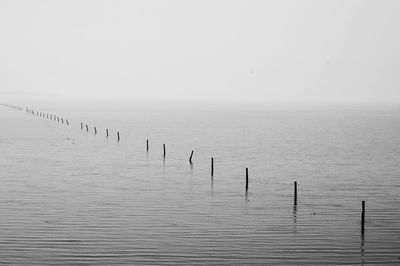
(69,197)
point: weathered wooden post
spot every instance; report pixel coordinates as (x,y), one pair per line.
(190,159)
(212,166)
(247,179)
(362,217)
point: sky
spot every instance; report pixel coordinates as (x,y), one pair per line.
(262,51)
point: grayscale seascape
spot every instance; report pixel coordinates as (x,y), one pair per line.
(70,197)
(176,132)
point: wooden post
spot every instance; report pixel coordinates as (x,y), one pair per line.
(247,179)
(81,126)
(212,166)
(87,128)
(62,120)
(147,145)
(66,120)
(95,130)
(362,216)
(164,150)
(295,192)
(118,135)
(190,159)
(107,132)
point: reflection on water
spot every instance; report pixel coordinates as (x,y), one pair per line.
(294,218)
(93,201)
(362,249)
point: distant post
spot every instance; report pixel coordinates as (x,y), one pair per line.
(118,135)
(107,132)
(362,216)
(95,130)
(295,192)
(190,159)
(87,128)
(147,145)
(247,179)
(212,166)
(164,150)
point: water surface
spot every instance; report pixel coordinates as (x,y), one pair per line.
(70,197)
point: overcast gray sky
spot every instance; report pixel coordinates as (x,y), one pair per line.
(284,51)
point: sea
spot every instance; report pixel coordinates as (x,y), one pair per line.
(71,196)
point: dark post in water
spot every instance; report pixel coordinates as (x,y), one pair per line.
(87,128)
(190,159)
(212,166)
(147,145)
(295,192)
(118,135)
(362,216)
(95,130)
(247,179)
(107,132)
(164,150)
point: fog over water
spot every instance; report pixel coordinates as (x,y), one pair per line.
(304,91)
(268,51)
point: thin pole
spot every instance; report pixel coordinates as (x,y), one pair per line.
(212,166)
(95,130)
(190,159)
(247,179)
(107,132)
(118,135)
(81,126)
(164,150)
(147,145)
(362,216)
(295,192)
(87,128)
